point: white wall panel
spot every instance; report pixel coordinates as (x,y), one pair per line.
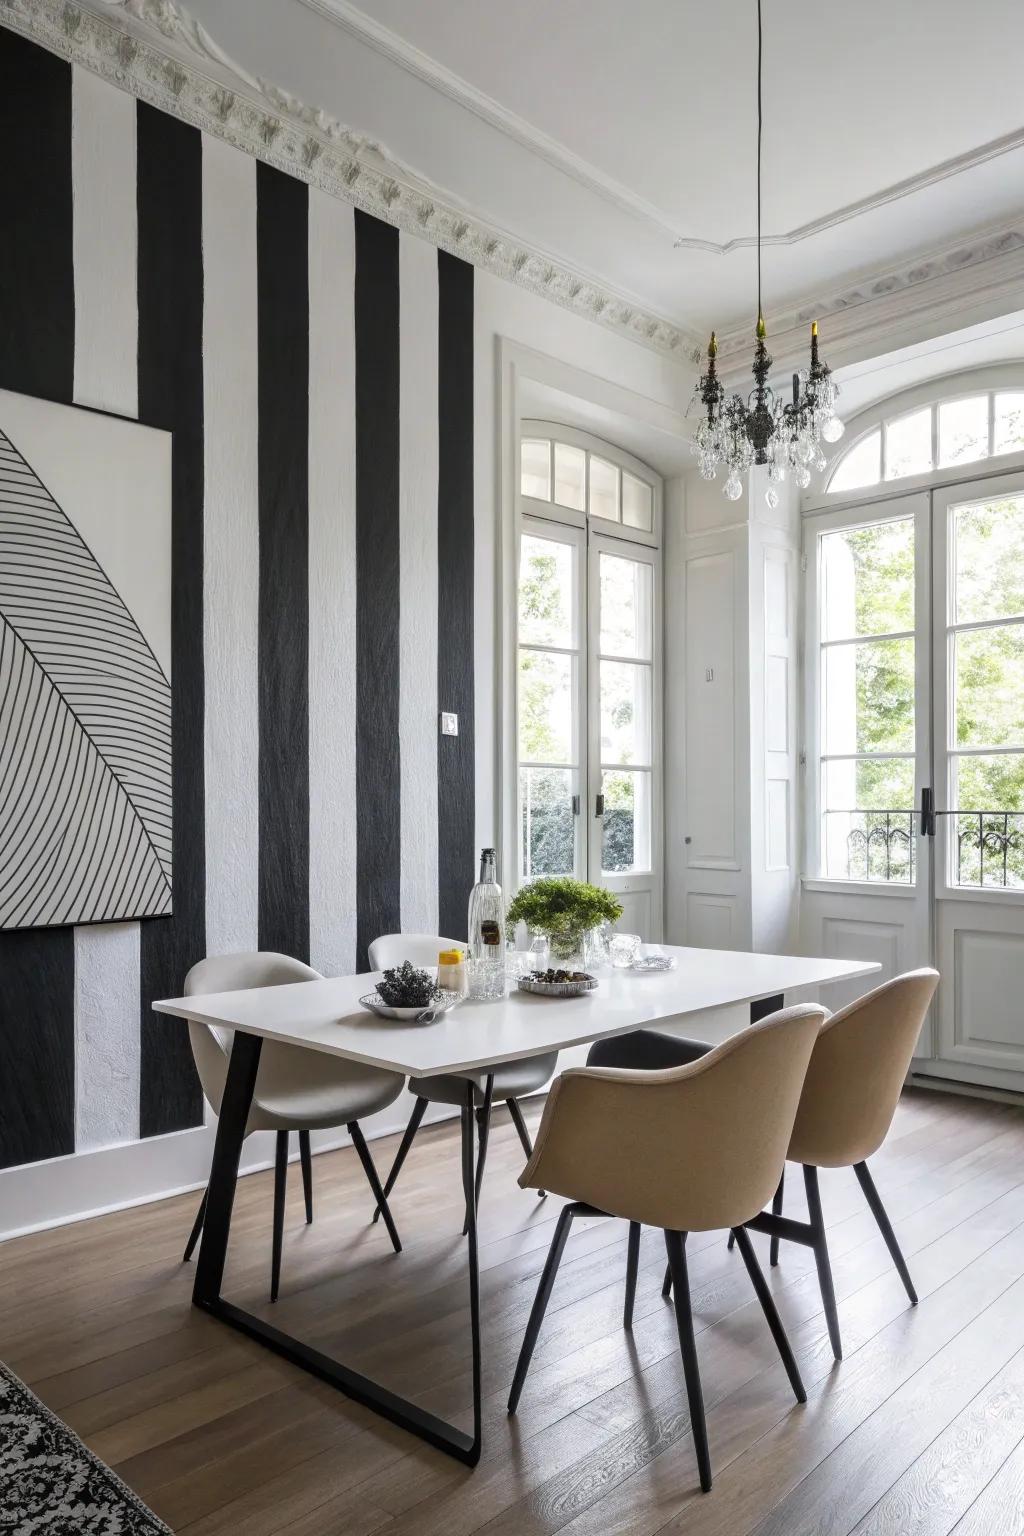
(418,587)
(107,1046)
(332,587)
(231,554)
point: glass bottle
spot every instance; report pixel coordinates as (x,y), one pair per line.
(487,933)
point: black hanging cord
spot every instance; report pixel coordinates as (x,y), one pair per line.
(759,120)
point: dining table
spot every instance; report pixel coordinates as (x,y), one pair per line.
(708,994)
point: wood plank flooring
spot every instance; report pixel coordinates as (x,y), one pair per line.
(920,1429)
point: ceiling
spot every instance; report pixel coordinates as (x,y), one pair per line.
(601,132)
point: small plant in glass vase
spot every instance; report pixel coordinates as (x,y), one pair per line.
(564,909)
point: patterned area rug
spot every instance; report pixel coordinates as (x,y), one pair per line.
(51,1484)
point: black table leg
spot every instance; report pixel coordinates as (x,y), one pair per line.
(206,1292)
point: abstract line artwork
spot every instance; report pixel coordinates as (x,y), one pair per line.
(85,694)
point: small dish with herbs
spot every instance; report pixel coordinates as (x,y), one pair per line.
(404,992)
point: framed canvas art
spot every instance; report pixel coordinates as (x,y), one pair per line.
(85,666)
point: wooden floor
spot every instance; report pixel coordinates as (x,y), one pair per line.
(920,1429)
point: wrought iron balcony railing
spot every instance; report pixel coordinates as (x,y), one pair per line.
(878,846)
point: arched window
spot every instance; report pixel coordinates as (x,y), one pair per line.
(946,432)
(588,698)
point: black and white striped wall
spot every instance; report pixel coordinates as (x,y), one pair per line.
(316,369)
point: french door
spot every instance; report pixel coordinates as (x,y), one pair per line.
(588,716)
(916,707)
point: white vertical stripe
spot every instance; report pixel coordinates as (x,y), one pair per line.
(107,1036)
(332,586)
(231,537)
(418,717)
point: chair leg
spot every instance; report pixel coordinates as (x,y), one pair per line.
(867,1184)
(770,1311)
(280,1185)
(483,1121)
(540,1304)
(675,1243)
(418,1111)
(369,1168)
(197,1227)
(306,1158)
(524,1135)
(632,1265)
(666,1284)
(828,1294)
(773,1254)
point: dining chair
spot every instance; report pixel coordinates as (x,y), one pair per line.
(687,1149)
(296,1089)
(853,1085)
(511,1080)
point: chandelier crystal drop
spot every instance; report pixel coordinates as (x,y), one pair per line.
(765,429)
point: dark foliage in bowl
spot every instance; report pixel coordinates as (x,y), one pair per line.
(406,987)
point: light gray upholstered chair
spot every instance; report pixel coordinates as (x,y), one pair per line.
(296,1089)
(511,1080)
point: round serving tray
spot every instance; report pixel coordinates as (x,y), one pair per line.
(557,988)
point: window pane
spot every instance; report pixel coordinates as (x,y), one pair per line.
(604,489)
(987,848)
(547,826)
(637,503)
(988,686)
(625,712)
(545,707)
(868,697)
(570,477)
(536,468)
(867,580)
(1009,423)
(861,466)
(908,445)
(626,606)
(868,825)
(546,605)
(963,430)
(626,825)
(988,556)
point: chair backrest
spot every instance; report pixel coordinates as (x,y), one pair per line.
(857,1072)
(237,973)
(419,948)
(689,1148)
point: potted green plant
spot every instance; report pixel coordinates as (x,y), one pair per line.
(564,909)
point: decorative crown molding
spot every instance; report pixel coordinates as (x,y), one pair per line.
(151,48)
(886,309)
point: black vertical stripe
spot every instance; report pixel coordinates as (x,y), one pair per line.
(170,291)
(378,766)
(37,357)
(456,781)
(282,264)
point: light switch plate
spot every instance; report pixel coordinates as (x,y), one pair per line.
(449,724)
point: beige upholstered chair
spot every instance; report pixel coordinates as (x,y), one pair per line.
(511,1080)
(687,1149)
(296,1090)
(850,1095)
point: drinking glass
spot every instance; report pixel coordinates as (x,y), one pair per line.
(623,949)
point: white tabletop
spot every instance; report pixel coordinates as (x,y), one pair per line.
(326,1016)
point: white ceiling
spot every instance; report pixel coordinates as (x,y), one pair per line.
(599,131)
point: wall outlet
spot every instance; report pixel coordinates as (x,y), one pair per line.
(449,724)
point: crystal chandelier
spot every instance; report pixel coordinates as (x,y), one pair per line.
(763,429)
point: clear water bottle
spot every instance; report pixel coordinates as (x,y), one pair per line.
(487,933)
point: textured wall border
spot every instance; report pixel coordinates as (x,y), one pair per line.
(263,121)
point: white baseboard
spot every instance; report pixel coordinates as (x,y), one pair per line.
(86,1184)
